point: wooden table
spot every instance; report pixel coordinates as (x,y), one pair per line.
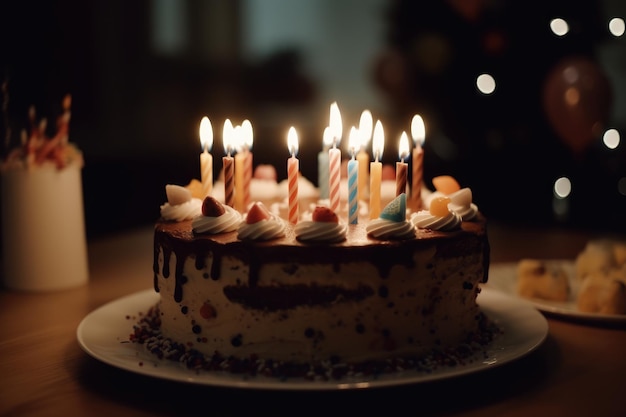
(580,370)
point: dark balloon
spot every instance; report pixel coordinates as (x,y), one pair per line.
(577,100)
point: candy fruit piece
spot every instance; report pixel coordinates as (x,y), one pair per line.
(324,214)
(446,184)
(439,206)
(257,212)
(395,210)
(176,194)
(212,208)
(195,187)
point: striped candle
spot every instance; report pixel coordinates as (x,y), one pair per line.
(401,166)
(228,164)
(334,158)
(353,176)
(418,132)
(293,169)
(248,165)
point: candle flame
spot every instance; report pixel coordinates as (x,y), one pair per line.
(378,142)
(354,141)
(206,134)
(238,138)
(403,148)
(327,138)
(418,131)
(292,141)
(228,136)
(336,128)
(365,127)
(248,135)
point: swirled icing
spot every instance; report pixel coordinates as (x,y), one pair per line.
(387,229)
(227,222)
(312,231)
(423,219)
(262,230)
(180,204)
(461,203)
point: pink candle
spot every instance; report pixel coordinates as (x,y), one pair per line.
(206,159)
(334,158)
(418,132)
(293,169)
(401,166)
(228,164)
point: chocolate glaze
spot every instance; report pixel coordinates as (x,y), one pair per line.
(178,238)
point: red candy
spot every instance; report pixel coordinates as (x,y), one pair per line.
(207,311)
(257,212)
(324,214)
(212,208)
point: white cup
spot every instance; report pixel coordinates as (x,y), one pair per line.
(43,228)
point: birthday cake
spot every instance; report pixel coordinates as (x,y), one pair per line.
(253,292)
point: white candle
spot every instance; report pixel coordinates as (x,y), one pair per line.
(365,133)
(293,169)
(322,163)
(206,159)
(418,132)
(376,170)
(334,157)
(401,166)
(353,177)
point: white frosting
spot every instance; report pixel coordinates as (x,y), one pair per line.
(179,212)
(388,229)
(262,230)
(461,203)
(310,231)
(227,222)
(423,219)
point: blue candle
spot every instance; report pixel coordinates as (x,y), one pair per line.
(353,175)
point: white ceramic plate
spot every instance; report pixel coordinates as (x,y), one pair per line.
(104,333)
(503,277)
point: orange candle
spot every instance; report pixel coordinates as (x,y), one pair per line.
(418,132)
(293,169)
(401,166)
(376,170)
(206,159)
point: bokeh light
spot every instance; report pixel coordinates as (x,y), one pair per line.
(559,26)
(562,187)
(617,26)
(486,83)
(611,138)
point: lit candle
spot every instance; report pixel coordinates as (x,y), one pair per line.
(248,138)
(334,158)
(418,132)
(227,162)
(206,159)
(353,177)
(365,131)
(293,169)
(401,166)
(240,160)
(376,169)
(322,163)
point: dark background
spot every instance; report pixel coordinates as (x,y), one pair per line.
(136,106)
